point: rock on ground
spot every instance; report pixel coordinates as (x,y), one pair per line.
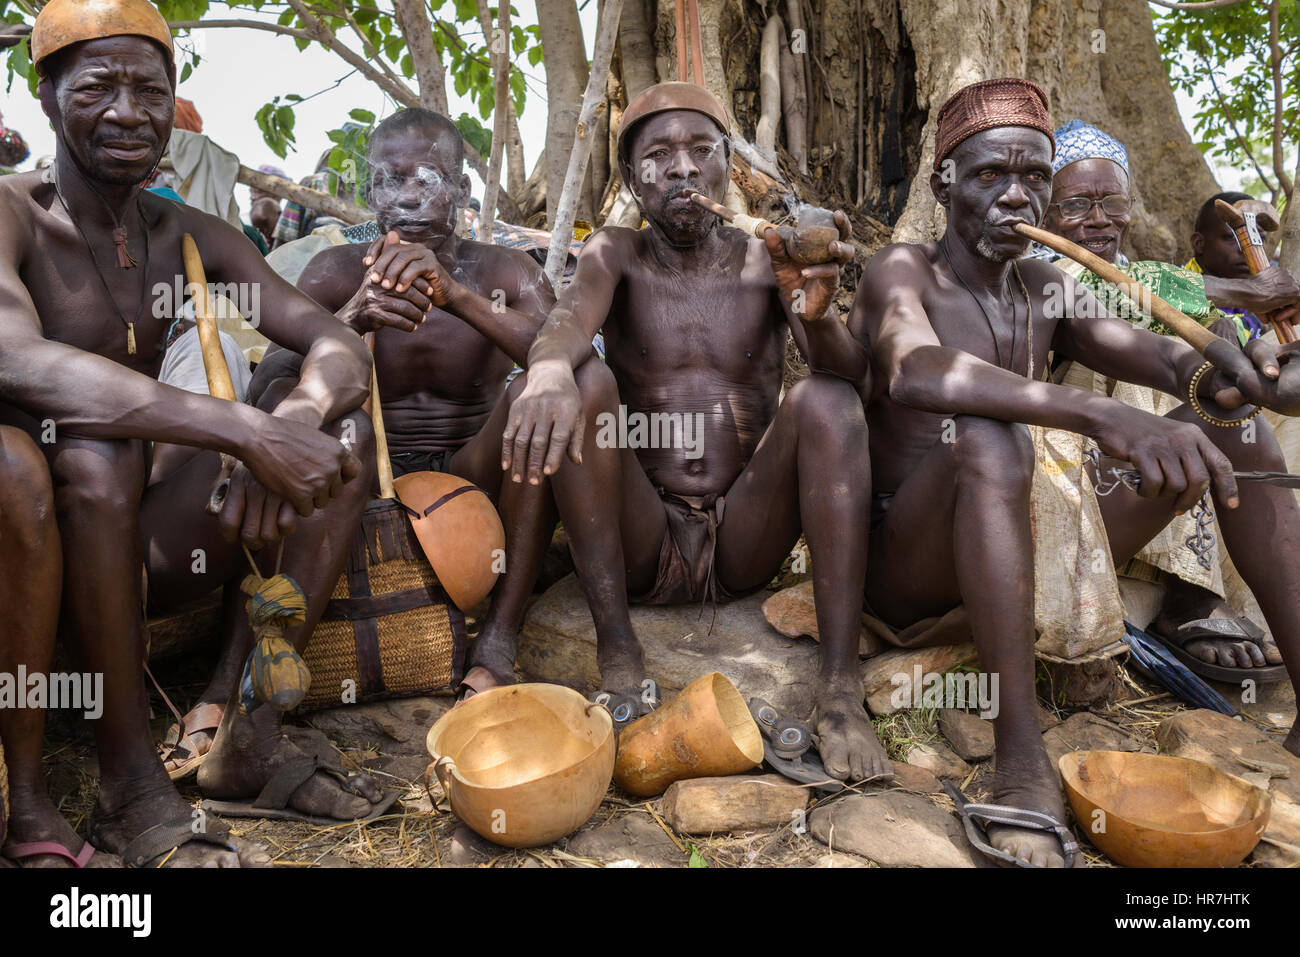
(894,829)
(1087,732)
(632,837)
(970,735)
(721,805)
(911,777)
(897,671)
(791,612)
(397,726)
(937,760)
(1244,750)
(681,643)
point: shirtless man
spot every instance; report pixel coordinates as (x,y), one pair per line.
(695,316)
(951,339)
(459,314)
(81,247)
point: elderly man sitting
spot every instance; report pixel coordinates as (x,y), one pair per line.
(1091,205)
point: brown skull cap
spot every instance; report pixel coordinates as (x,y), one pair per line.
(1007,101)
(663,97)
(62,23)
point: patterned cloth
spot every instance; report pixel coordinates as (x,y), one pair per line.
(1008,101)
(1181,288)
(1077,140)
(297,221)
(1249,325)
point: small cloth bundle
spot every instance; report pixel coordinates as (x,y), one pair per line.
(274,673)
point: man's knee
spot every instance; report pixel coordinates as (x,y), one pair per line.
(101,479)
(596,385)
(828,404)
(26,492)
(994,453)
(357,432)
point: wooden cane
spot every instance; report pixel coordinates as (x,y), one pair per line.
(383,463)
(220,385)
(1247,224)
(1225,355)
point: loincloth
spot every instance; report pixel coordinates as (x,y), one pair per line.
(688,553)
(405,462)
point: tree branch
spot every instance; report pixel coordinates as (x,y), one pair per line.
(1275,63)
(592,98)
(499,46)
(320,34)
(1232,122)
(413,19)
(1206,5)
(323,202)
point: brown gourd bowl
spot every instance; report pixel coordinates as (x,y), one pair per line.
(1163,811)
(526,764)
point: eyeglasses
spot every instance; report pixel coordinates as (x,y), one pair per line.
(1077,207)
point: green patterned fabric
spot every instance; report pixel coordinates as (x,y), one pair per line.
(1181,288)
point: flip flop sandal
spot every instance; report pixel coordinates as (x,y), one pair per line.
(1235,629)
(22,850)
(273,801)
(163,838)
(623,708)
(789,746)
(179,745)
(977,817)
(477,680)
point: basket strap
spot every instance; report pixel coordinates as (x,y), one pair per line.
(365,631)
(376,606)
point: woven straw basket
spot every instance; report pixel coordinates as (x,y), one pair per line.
(389,627)
(389,630)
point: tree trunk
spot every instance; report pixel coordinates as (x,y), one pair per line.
(1289,250)
(1097,61)
(418,32)
(565,59)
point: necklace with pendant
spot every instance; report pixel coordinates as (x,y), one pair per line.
(1029,318)
(124,261)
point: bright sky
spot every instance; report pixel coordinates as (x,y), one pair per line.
(243,69)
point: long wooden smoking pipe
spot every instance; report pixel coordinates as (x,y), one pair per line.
(1225,355)
(809,244)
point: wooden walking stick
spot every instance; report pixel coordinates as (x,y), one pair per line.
(274,672)
(1247,220)
(220,385)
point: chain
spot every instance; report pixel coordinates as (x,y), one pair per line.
(1200,543)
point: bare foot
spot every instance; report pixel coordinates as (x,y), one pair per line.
(250,749)
(1024,778)
(622,667)
(127,810)
(494,651)
(846,740)
(32,818)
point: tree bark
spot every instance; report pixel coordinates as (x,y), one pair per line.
(769,87)
(565,61)
(592,99)
(1289,250)
(418,31)
(636,50)
(498,45)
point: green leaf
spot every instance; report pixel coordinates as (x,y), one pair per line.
(697,859)
(407,65)
(475,133)
(186,70)
(362,116)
